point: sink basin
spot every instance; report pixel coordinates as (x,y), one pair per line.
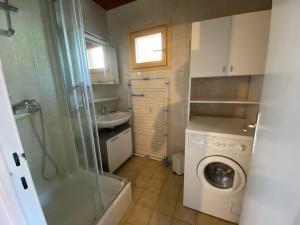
(113,119)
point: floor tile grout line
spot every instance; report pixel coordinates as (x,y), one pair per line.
(150,217)
(184,221)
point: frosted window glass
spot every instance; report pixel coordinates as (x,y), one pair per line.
(148,48)
(96,58)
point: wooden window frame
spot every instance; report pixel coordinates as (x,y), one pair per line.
(164,30)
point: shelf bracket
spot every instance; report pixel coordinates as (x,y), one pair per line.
(7,8)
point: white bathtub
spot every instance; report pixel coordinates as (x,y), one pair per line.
(60,202)
(117,208)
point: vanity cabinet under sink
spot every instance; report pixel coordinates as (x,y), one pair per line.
(115,146)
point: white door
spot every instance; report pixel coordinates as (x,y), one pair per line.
(249,43)
(209,47)
(272,194)
(10,147)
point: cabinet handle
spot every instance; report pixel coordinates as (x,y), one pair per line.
(125,132)
(82,93)
(112,140)
(255,132)
(223,69)
(231,68)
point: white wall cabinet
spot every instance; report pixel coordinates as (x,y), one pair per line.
(249,43)
(210,47)
(119,149)
(235,45)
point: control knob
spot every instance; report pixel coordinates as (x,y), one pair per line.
(241,148)
(217,144)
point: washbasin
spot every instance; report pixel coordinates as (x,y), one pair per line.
(113,119)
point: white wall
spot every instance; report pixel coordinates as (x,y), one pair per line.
(180,13)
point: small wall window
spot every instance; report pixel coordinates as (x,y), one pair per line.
(149,47)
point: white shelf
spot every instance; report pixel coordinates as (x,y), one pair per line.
(104,83)
(224,101)
(106,99)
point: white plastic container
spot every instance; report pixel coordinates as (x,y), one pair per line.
(178,163)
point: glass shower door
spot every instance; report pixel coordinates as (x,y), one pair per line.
(70,45)
(69,35)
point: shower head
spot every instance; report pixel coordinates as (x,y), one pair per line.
(26,106)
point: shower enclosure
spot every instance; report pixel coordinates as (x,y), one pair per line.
(46,74)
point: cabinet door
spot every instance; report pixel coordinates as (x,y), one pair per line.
(126,142)
(114,150)
(249,43)
(210,47)
(119,149)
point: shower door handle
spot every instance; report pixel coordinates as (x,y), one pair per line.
(82,93)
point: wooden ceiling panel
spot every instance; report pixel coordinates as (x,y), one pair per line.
(110,4)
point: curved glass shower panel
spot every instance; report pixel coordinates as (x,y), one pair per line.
(68,31)
(79,85)
(90,97)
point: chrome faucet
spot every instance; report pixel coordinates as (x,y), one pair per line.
(26,106)
(105,110)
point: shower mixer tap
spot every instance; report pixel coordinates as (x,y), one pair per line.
(26,106)
(31,106)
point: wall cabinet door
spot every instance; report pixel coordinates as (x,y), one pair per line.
(249,43)
(210,47)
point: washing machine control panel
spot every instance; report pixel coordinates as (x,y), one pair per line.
(197,140)
(215,144)
(227,144)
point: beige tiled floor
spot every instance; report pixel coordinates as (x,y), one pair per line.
(157,196)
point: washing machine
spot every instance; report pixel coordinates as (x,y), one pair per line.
(217,158)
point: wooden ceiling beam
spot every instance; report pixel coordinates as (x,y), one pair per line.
(111,4)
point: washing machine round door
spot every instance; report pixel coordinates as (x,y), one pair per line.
(221,174)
